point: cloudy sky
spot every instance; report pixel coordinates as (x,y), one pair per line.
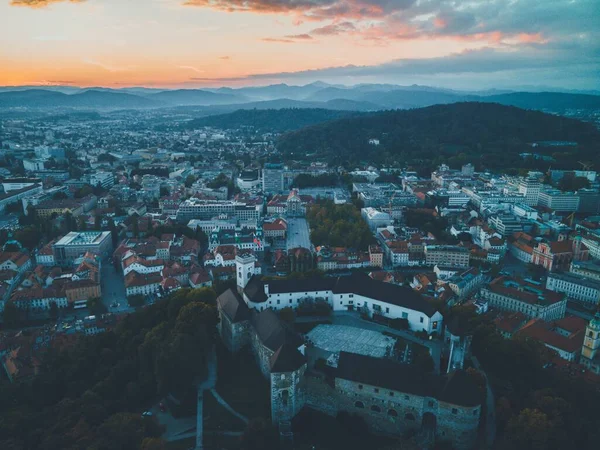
(464,44)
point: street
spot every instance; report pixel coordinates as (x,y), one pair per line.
(113,289)
(298,234)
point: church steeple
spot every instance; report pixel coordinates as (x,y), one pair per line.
(591,342)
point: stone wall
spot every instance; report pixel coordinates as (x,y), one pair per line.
(262,355)
(393,412)
(286,396)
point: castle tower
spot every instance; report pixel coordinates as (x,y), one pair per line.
(591,342)
(287,370)
(244,267)
(458,339)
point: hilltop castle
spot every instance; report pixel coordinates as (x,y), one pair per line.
(391,397)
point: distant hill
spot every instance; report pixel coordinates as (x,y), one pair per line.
(490,134)
(552,101)
(91,99)
(362,97)
(196,97)
(269,120)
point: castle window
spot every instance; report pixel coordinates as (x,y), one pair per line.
(454,411)
(376,390)
(430,404)
(406,397)
(391,394)
(375,408)
(393,413)
(278,302)
(360,386)
(409,416)
(359,404)
(284,397)
(421,319)
(475,411)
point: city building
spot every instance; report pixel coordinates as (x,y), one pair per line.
(557,200)
(195,208)
(577,287)
(447,255)
(525,296)
(75,244)
(105,180)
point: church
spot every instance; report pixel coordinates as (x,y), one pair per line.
(390,396)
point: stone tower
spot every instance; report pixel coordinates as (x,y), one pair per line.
(591,342)
(287,372)
(458,337)
(244,267)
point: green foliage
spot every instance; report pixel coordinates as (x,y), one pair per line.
(305,180)
(338,226)
(90,395)
(273,120)
(489,135)
(136,300)
(569,183)
(10,315)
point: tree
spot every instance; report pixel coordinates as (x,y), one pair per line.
(530,430)
(11,314)
(53,310)
(189,180)
(60,196)
(135,300)
(259,435)
(95,306)
(287,315)
(153,444)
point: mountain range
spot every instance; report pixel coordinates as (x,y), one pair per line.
(362,97)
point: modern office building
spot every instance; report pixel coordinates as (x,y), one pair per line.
(75,244)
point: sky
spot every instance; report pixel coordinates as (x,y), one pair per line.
(461,44)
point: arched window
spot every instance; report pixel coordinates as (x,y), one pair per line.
(359,404)
(393,413)
(409,416)
(375,408)
(284,397)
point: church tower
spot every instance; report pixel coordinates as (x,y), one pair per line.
(591,342)
(244,268)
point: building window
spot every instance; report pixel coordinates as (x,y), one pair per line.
(454,411)
(391,394)
(430,404)
(393,413)
(406,397)
(360,386)
(376,390)
(375,408)
(359,404)
(409,416)
(387,310)
(421,319)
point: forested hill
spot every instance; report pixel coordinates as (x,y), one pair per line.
(488,133)
(270,120)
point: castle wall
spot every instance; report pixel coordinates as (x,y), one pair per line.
(286,397)
(262,355)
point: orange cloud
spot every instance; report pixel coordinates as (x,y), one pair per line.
(40,3)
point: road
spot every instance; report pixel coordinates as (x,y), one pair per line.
(208,384)
(298,234)
(113,289)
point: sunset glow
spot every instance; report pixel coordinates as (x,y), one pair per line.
(194,43)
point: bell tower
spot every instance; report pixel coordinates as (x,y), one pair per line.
(244,269)
(591,342)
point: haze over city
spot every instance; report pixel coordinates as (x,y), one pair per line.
(209,43)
